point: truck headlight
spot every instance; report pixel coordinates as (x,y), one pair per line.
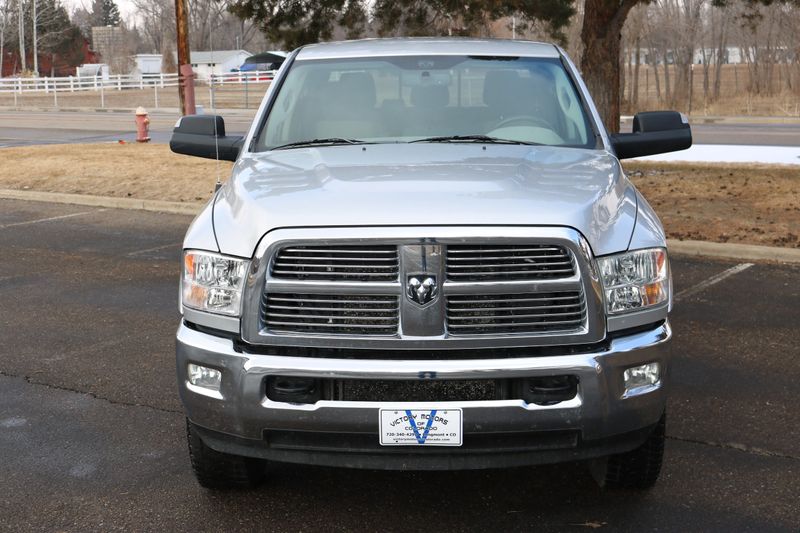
(212,282)
(635,280)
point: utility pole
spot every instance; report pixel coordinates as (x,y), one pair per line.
(35,44)
(186,76)
(21,13)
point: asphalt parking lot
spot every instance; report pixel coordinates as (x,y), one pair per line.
(92,433)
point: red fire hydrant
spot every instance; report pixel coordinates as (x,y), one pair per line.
(142,126)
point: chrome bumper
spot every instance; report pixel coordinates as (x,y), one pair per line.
(599,411)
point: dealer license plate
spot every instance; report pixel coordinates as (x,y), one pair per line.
(421,427)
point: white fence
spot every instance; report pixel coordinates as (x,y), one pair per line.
(95,83)
(122,82)
(232,88)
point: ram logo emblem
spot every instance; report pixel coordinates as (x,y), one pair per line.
(421,288)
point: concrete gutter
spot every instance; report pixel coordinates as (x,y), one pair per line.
(741,252)
(179,208)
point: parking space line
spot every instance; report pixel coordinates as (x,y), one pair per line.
(154,249)
(713,280)
(49,219)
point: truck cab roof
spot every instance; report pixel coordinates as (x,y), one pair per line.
(427,46)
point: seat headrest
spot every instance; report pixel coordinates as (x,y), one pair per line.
(430,96)
(357,87)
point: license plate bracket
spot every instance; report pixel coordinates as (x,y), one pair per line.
(421,427)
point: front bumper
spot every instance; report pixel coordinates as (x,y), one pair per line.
(598,421)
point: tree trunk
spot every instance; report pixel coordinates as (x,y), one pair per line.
(600,34)
(654,55)
(667,90)
(635,94)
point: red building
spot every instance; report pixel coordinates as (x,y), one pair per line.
(50,64)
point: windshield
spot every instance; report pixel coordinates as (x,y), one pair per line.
(426,99)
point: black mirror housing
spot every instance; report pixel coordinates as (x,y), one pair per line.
(654,132)
(204,136)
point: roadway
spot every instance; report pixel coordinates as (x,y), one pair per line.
(45,127)
(92,433)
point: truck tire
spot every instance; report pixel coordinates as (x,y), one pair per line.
(217,470)
(640,467)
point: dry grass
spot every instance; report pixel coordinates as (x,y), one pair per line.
(753,204)
(723,203)
(147,171)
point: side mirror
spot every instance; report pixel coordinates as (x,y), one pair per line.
(654,132)
(204,136)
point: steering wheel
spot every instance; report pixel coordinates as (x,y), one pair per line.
(524,120)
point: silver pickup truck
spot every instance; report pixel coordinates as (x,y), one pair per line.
(427,257)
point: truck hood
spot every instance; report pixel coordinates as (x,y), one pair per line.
(426,185)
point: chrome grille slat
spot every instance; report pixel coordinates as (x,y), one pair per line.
(319,328)
(337,263)
(524,262)
(309,308)
(330,317)
(317,299)
(499,273)
(511,265)
(456,258)
(526,325)
(334,314)
(513,297)
(516,314)
(334,259)
(362,250)
(524,308)
(467,249)
(331,273)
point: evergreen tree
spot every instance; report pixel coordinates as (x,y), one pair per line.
(105,13)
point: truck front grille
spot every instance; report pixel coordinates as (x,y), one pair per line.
(337,263)
(489,262)
(358,292)
(340,314)
(515,313)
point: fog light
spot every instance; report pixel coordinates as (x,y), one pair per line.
(641,379)
(204,380)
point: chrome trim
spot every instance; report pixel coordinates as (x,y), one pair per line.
(210,320)
(204,391)
(441,368)
(417,337)
(416,319)
(639,318)
(574,403)
(644,389)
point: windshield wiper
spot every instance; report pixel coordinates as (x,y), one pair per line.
(319,142)
(472,138)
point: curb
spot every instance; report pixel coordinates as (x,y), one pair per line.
(744,252)
(162,206)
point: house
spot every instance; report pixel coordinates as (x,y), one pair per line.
(217,62)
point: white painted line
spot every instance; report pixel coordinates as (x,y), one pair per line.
(50,219)
(713,280)
(155,249)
